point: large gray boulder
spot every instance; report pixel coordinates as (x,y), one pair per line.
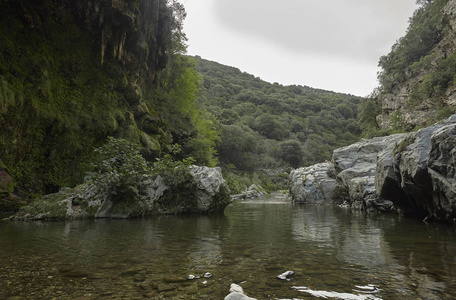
(314,184)
(416,172)
(211,186)
(360,159)
(402,174)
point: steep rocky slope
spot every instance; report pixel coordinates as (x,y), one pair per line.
(417,86)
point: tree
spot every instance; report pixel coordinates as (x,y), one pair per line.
(291,152)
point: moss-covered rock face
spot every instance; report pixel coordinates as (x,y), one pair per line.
(75,72)
(70,75)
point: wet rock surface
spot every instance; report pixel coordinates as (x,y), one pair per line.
(413,173)
(287,275)
(410,172)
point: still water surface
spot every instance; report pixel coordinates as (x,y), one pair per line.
(335,254)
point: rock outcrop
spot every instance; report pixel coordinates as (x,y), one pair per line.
(252,192)
(313,185)
(209,195)
(409,173)
(356,167)
(212,193)
(414,173)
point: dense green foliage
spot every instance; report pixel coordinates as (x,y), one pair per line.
(119,171)
(274,127)
(122,183)
(72,74)
(122,174)
(424,32)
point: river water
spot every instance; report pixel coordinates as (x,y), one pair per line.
(334,253)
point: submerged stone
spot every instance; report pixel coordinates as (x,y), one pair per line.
(288,275)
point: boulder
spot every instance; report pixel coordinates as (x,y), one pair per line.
(212,193)
(360,159)
(237,293)
(411,172)
(410,157)
(386,182)
(313,184)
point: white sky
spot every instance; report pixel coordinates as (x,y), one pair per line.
(329,44)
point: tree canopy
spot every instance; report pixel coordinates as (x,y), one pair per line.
(268,126)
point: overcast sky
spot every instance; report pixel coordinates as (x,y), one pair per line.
(329,44)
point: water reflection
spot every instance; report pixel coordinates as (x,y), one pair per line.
(314,225)
(333,252)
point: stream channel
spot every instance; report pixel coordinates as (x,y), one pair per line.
(334,253)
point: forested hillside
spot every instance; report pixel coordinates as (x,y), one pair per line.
(73,73)
(417,78)
(268,127)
